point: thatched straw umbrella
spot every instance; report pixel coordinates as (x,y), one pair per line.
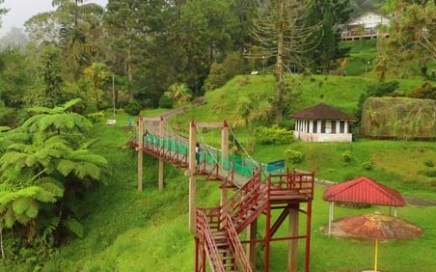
(379,227)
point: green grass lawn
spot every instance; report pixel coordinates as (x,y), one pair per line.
(148,231)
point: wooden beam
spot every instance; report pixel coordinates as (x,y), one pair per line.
(151,119)
(161,161)
(251,245)
(224,157)
(192,182)
(209,124)
(140,155)
(293,244)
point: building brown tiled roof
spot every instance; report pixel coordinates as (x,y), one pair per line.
(322,112)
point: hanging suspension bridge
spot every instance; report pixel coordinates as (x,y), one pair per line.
(257,189)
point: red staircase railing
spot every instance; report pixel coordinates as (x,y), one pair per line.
(236,246)
(204,234)
(246,204)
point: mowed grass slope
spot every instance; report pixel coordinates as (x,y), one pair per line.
(148,231)
(341,92)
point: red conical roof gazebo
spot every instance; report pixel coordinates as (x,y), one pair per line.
(362,190)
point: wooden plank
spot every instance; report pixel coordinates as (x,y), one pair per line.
(209,124)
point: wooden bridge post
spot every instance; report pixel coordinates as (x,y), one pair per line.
(294,210)
(224,157)
(140,155)
(192,182)
(251,246)
(161,161)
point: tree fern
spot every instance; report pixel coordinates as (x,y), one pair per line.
(75,227)
(49,226)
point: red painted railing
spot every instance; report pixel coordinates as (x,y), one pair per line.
(236,246)
(246,204)
(296,183)
(204,233)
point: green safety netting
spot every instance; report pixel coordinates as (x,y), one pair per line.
(242,165)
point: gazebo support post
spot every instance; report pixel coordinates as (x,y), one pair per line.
(376,256)
(331,215)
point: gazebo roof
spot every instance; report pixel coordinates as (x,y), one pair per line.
(363,190)
(322,112)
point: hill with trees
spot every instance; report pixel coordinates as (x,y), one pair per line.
(67,179)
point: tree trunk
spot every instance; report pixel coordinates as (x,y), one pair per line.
(129,68)
(279,63)
(1,243)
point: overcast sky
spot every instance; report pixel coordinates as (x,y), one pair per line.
(21,10)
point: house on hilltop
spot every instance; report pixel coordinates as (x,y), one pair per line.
(365,26)
(322,123)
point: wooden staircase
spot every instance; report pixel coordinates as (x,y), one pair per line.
(222,225)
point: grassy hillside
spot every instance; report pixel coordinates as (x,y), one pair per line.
(131,231)
(341,92)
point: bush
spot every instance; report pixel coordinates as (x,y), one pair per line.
(430,173)
(293,156)
(425,91)
(95,116)
(133,108)
(367,165)
(217,77)
(347,156)
(273,135)
(165,102)
(429,163)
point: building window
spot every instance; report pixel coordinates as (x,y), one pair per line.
(323,126)
(315,126)
(333,127)
(342,127)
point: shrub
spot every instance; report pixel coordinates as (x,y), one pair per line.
(95,116)
(429,163)
(133,108)
(273,135)
(217,77)
(293,156)
(165,102)
(425,91)
(347,156)
(367,165)
(430,173)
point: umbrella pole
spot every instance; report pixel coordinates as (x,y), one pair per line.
(376,255)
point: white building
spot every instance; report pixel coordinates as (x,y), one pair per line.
(323,123)
(366,26)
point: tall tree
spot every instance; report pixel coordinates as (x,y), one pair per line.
(412,33)
(74,26)
(282,31)
(3,11)
(329,15)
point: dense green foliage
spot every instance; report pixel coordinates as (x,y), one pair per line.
(133,108)
(401,118)
(55,215)
(273,135)
(46,166)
